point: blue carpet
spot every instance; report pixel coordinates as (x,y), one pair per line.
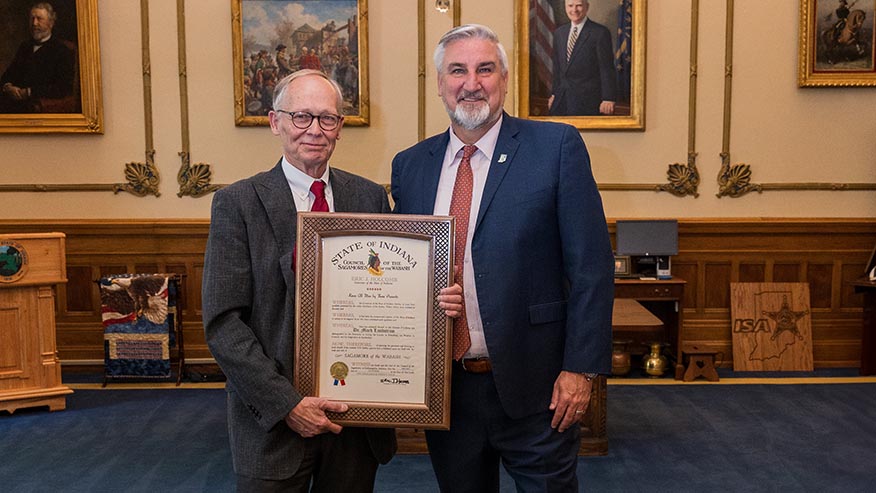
(661,438)
(119,440)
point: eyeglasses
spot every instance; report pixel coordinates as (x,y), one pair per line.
(303,120)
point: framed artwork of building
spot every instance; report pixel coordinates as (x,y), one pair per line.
(50,67)
(271,39)
(582,62)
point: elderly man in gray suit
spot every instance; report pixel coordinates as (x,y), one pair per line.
(281,440)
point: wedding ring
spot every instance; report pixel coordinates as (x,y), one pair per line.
(579,412)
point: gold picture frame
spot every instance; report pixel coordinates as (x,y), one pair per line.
(339,45)
(368,327)
(81,112)
(834,53)
(538,22)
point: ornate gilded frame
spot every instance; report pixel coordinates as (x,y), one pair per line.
(90,120)
(534,106)
(819,67)
(243,117)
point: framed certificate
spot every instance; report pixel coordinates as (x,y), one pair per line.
(369,331)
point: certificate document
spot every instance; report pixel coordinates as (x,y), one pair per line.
(369,331)
(373,312)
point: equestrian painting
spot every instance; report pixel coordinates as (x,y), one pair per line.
(845,35)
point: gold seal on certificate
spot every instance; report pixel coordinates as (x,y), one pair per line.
(339,372)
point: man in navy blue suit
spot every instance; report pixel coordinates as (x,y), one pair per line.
(584,80)
(537,275)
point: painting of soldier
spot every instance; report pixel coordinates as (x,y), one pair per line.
(844,39)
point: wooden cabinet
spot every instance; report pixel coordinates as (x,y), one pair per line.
(30,372)
(663,298)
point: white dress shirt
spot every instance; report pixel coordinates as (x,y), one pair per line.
(300,182)
(480,166)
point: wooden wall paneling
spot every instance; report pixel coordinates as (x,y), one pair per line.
(687,271)
(752,272)
(848,273)
(717,287)
(820,279)
(78,289)
(147,269)
(786,272)
(826,253)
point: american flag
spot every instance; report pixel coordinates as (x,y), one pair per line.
(541,27)
(624,54)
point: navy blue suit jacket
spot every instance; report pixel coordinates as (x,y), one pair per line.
(580,84)
(542,259)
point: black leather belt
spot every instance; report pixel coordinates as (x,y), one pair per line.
(476,365)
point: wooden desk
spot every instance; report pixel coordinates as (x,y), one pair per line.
(630,316)
(663,299)
(868,335)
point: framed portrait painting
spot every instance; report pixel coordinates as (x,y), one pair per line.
(50,67)
(836,43)
(273,38)
(582,62)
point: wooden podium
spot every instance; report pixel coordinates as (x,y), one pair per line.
(30,372)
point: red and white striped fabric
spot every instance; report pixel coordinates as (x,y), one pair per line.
(541,28)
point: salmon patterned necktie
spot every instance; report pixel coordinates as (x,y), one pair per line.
(460,208)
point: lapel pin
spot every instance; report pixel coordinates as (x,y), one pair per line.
(502,158)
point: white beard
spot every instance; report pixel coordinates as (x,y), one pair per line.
(469,119)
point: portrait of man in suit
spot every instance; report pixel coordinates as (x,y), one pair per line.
(583,62)
(584,80)
(40,77)
(535,262)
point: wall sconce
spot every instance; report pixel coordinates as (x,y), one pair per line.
(442,5)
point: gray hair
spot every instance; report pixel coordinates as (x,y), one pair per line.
(48,8)
(469,31)
(280,88)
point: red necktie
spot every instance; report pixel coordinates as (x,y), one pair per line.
(460,208)
(319,202)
